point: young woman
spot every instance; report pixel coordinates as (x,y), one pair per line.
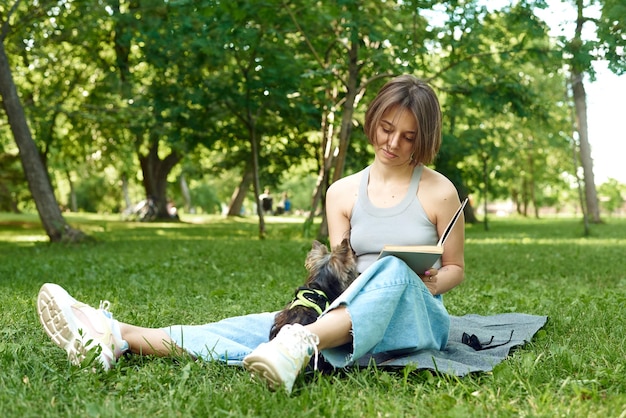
(389,308)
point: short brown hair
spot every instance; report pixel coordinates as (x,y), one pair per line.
(415,95)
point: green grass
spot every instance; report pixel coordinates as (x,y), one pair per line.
(160,274)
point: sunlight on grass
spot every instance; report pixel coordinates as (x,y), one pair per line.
(547,241)
(21,228)
(24,238)
(207,268)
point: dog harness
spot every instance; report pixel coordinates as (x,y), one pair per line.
(310,298)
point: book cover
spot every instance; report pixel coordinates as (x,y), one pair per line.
(422,257)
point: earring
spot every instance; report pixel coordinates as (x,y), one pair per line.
(412,156)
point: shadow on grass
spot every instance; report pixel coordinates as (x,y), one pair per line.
(26,229)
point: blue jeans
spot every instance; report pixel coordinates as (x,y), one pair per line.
(391,309)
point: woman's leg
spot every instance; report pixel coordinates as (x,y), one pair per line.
(148,341)
(279,361)
(388,308)
(333,329)
(78,328)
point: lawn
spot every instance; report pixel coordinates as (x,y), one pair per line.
(209,268)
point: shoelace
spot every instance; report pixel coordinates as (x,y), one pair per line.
(116,337)
(305,340)
(104,305)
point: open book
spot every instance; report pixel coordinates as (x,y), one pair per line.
(422,257)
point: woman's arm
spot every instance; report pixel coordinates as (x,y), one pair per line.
(340,198)
(440,201)
(452,271)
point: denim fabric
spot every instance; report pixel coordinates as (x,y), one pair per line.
(228,340)
(391,311)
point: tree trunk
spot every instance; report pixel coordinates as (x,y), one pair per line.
(53,222)
(347,115)
(239,194)
(525,195)
(127,201)
(531,185)
(485,164)
(580,104)
(184,190)
(325,161)
(581,200)
(73,201)
(255,176)
(580,107)
(155,172)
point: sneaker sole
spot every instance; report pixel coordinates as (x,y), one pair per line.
(50,302)
(264,372)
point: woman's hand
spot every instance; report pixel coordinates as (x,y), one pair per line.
(430,280)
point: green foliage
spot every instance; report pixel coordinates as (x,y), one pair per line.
(503,103)
(612,31)
(204,196)
(108,85)
(161,274)
(298,181)
(96,194)
(13,187)
(612,195)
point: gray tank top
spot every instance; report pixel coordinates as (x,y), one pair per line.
(372,227)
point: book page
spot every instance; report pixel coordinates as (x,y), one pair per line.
(419,262)
(432,249)
(452,222)
(422,257)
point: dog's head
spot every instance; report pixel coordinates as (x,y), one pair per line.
(331,271)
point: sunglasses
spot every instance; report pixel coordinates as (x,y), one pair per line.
(474,342)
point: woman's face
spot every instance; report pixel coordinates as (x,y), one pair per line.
(395,135)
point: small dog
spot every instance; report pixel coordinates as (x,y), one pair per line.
(330,273)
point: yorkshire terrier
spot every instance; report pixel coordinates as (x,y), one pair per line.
(330,273)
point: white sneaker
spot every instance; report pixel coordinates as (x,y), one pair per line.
(78,328)
(279,361)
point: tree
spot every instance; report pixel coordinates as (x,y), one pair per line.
(612,195)
(54,76)
(490,68)
(53,222)
(257,94)
(580,63)
(11,179)
(131,87)
(580,54)
(350,50)
(162,53)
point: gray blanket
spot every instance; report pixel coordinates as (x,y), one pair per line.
(460,359)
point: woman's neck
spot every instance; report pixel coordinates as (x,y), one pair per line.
(387,186)
(385,174)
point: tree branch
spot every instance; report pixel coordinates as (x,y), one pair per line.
(5,24)
(306,38)
(477,55)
